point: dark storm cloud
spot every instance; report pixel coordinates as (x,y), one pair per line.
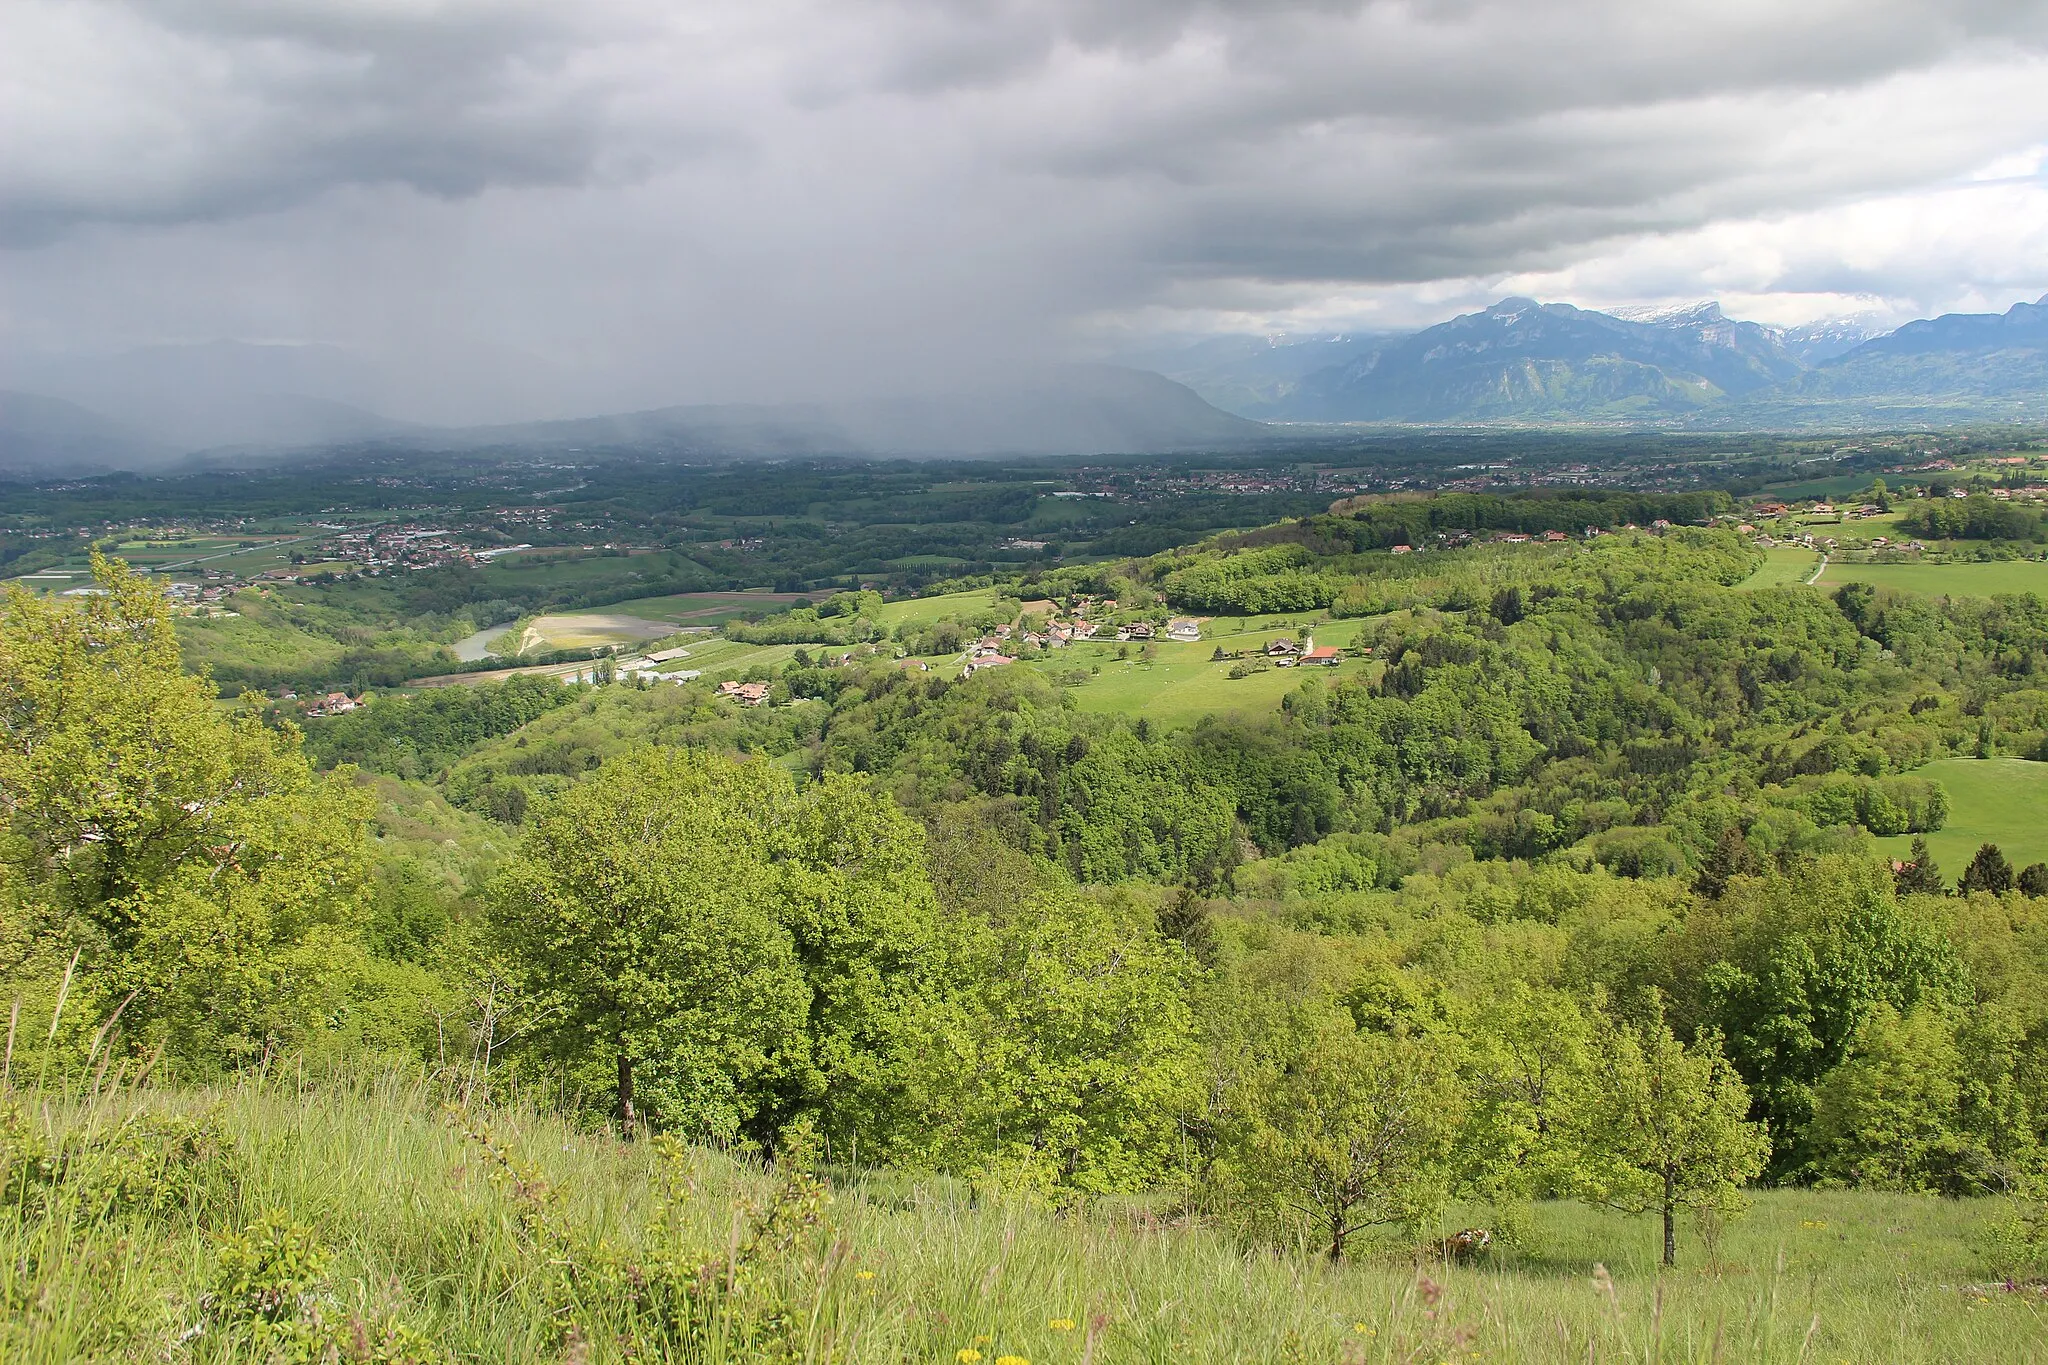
(181,110)
(735,195)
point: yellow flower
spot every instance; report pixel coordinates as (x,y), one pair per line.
(967,1355)
(1361,1327)
(983,1340)
(863,1274)
(1061,1324)
(1012,1360)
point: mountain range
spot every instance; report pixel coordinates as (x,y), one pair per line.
(1529,362)
(1517,362)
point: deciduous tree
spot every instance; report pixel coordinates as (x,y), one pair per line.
(1355,1130)
(1665,1125)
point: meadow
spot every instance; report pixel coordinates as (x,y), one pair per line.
(2001,801)
(388,1213)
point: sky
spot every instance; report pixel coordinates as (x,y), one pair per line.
(529,207)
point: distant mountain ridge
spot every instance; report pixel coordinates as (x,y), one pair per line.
(1957,367)
(1546,361)
(1524,361)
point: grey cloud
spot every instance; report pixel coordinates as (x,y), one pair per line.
(191,111)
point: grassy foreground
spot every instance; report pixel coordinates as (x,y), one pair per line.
(426,1229)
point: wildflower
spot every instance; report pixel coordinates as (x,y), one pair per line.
(983,1339)
(967,1355)
(863,1274)
(1012,1360)
(1363,1328)
(1061,1324)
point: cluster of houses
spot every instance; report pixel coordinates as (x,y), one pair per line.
(194,595)
(993,649)
(396,548)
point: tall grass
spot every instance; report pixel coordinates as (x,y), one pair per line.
(425,1229)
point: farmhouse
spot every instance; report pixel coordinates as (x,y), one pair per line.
(746,694)
(1329,656)
(1183,628)
(333,704)
(979,662)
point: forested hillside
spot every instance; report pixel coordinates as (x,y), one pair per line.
(1572,898)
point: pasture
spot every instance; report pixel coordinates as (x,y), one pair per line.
(2001,801)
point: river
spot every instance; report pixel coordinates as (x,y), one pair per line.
(478,646)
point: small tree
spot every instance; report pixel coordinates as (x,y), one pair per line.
(636,919)
(1665,1125)
(2034,880)
(1919,876)
(1355,1131)
(1988,871)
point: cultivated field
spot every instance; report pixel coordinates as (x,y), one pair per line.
(589,629)
(1781,568)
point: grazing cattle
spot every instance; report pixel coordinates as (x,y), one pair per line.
(1467,1245)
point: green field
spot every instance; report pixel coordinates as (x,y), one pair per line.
(918,611)
(2001,801)
(1782,567)
(1989,579)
